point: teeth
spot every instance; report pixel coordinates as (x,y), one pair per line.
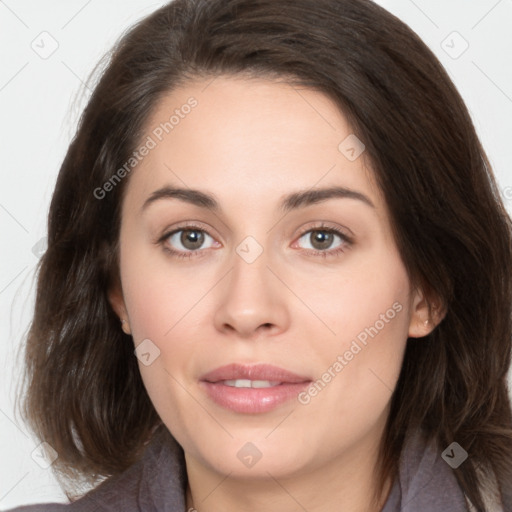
(264,384)
(240,383)
(245,383)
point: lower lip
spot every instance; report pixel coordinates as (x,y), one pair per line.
(252,400)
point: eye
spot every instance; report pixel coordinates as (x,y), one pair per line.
(188,241)
(321,240)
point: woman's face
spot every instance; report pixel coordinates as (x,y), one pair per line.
(307,283)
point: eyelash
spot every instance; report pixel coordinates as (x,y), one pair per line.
(198,253)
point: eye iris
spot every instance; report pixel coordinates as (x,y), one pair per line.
(193,237)
(323,238)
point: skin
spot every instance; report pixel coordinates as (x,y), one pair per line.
(249,143)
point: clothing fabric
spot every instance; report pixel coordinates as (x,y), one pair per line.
(157,483)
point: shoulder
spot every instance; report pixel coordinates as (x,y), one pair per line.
(46,507)
(427,479)
(425,482)
(156,479)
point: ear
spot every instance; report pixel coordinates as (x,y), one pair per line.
(426,314)
(116,299)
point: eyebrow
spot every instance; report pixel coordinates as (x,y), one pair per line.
(293,201)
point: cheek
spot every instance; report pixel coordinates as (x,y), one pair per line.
(165,306)
(359,366)
(158,291)
(370,291)
(161,309)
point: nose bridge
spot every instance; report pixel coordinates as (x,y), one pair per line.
(251,296)
(250,276)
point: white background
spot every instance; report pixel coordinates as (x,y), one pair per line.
(41,99)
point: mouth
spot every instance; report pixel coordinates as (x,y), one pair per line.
(252,389)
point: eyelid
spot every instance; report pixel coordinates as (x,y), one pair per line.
(192,225)
(327,226)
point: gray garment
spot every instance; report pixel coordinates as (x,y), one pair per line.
(157,483)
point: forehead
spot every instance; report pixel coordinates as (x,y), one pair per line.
(259,137)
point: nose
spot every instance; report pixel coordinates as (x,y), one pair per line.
(252,300)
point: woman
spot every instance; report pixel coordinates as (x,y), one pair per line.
(278,274)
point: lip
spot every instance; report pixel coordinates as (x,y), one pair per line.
(252,400)
(253,372)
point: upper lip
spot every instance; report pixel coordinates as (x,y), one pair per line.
(267,372)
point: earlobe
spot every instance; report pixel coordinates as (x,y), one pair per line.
(424,319)
(125,326)
(115,297)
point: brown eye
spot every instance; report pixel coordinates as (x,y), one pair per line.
(191,239)
(322,242)
(322,239)
(184,240)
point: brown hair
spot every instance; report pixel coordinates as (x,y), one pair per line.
(85,395)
